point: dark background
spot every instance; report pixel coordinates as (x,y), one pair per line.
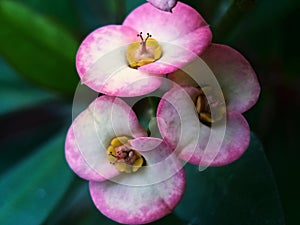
(36,99)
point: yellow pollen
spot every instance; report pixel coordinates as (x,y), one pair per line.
(207,101)
(120,154)
(140,53)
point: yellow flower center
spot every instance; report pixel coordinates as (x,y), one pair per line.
(120,154)
(207,101)
(140,53)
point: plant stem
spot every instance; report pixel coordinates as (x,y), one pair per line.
(153,105)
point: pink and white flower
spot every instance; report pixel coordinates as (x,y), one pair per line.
(185,113)
(134,179)
(118,60)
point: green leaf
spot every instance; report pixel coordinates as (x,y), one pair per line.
(37,48)
(15,93)
(211,10)
(63,11)
(171,219)
(70,214)
(16,96)
(132,4)
(27,128)
(30,190)
(243,192)
(235,12)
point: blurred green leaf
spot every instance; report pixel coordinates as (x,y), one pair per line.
(264,15)
(94,14)
(27,128)
(225,24)
(63,12)
(30,190)
(132,4)
(37,48)
(70,214)
(211,10)
(243,192)
(16,93)
(171,219)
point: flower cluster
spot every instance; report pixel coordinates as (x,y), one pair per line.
(135,178)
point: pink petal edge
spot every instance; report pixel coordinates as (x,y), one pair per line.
(235,75)
(164,26)
(86,141)
(79,165)
(138,204)
(102,65)
(101,42)
(183,34)
(234,144)
(181,129)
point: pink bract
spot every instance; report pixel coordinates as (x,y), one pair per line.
(165,5)
(140,197)
(101,59)
(178,121)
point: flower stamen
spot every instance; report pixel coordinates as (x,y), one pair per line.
(123,157)
(207,101)
(140,53)
(143,42)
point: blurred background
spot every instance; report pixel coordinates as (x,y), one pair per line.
(38,44)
